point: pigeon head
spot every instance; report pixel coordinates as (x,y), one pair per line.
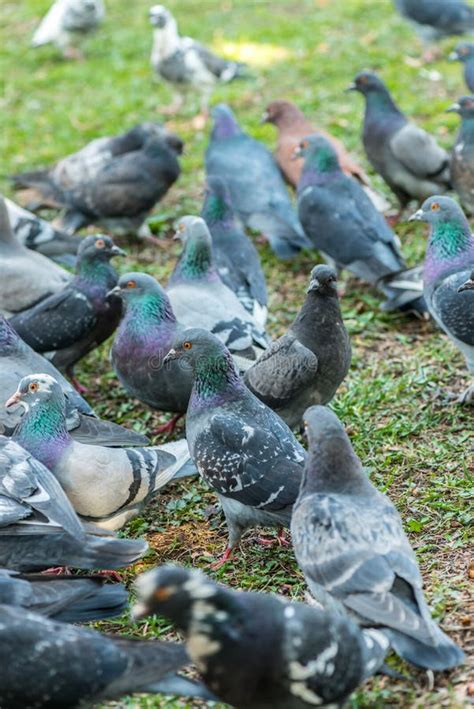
(281,113)
(36,388)
(196,260)
(464,107)
(144,297)
(138,136)
(318,154)
(199,347)
(160,17)
(367,82)
(323,280)
(98,247)
(462,53)
(224,123)
(439,210)
(217,202)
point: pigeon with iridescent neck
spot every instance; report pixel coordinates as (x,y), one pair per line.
(344,225)
(71,323)
(464,53)
(257,189)
(199,297)
(242,449)
(107,486)
(448,263)
(350,544)
(462,156)
(235,256)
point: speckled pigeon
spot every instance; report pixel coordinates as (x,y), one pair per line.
(462,157)
(67,22)
(26,277)
(71,323)
(464,53)
(345,226)
(235,256)
(258,192)
(185,63)
(17,360)
(408,158)
(108,486)
(38,525)
(350,544)
(56,665)
(448,264)
(68,598)
(307,364)
(435,19)
(260,650)
(242,449)
(39,235)
(199,298)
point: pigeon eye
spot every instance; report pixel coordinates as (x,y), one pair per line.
(187,345)
(100,244)
(131,284)
(435,207)
(34,386)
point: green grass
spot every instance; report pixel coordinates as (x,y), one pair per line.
(415,445)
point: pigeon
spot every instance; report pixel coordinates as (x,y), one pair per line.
(38,525)
(448,264)
(345,226)
(48,187)
(199,298)
(292,127)
(462,156)
(107,486)
(68,666)
(67,598)
(17,360)
(464,53)
(114,191)
(71,323)
(259,650)
(350,544)
(241,448)
(467,285)
(144,336)
(185,63)
(258,192)
(66,23)
(26,277)
(436,19)
(236,258)
(410,161)
(39,235)
(307,364)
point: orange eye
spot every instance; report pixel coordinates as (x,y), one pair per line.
(187,345)
(435,207)
(131,284)
(100,244)
(34,386)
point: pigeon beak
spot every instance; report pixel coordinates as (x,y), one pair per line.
(453,56)
(264,118)
(114,291)
(454,108)
(417,217)
(117,251)
(314,284)
(13,400)
(468,285)
(172,354)
(351,87)
(297,153)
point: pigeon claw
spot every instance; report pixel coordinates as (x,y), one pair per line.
(223,560)
(169,426)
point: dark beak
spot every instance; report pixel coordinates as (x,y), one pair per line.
(351,87)
(314,284)
(114,291)
(13,400)
(117,251)
(454,108)
(417,217)
(172,354)
(468,285)
(297,153)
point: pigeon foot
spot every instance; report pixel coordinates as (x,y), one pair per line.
(169,426)
(57,571)
(80,388)
(223,560)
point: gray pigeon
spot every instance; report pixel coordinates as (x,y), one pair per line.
(307,364)
(57,665)
(344,225)
(185,63)
(199,298)
(235,256)
(241,448)
(350,544)
(261,650)
(66,23)
(464,53)
(436,19)
(448,264)
(462,156)
(38,526)
(17,360)
(409,159)
(73,322)
(67,598)
(107,486)
(26,277)
(39,235)
(257,189)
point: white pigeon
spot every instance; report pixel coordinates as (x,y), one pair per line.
(66,23)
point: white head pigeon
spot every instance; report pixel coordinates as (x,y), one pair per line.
(448,264)
(26,277)
(350,544)
(199,298)
(258,649)
(185,63)
(242,449)
(38,525)
(67,22)
(108,486)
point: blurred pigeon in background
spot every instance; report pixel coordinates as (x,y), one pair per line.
(436,19)
(464,53)
(66,23)
(462,156)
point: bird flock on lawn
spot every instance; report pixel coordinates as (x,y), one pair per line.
(197,347)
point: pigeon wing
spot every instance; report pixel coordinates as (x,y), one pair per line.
(418,151)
